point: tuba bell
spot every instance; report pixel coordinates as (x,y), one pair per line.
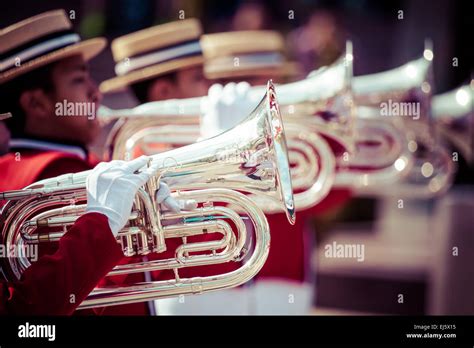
(249,158)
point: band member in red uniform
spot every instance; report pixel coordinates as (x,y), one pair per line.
(45,84)
(45,69)
(87,252)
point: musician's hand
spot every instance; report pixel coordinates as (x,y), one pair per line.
(163,197)
(112,186)
(227,106)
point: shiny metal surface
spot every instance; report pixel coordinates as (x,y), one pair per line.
(251,157)
(431,168)
(453,114)
(316,108)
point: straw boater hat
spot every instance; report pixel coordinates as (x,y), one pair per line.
(245,53)
(155,51)
(40,40)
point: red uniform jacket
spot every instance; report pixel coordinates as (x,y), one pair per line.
(85,255)
(18,171)
(288,250)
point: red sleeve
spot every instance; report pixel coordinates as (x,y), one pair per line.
(84,256)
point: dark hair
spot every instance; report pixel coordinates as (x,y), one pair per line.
(141,89)
(11,92)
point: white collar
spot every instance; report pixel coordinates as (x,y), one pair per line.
(45,145)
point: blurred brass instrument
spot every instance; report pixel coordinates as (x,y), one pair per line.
(453,115)
(367,151)
(317,111)
(432,169)
(159,126)
(251,157)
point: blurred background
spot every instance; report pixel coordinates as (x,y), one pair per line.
(381,40)
(409,251)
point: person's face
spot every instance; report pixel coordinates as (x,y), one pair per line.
(189,83)
(192,83)
(74,84)
(70,108)
(4,138)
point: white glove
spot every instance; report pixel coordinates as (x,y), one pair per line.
(227,106)
(112,186)
(163,197)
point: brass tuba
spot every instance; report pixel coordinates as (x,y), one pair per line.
(175,123)
(251,157)
(430,168)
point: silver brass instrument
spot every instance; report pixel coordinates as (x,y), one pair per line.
(173,123)
(368,152)
(432,169)
(251,157)
(312,178)
(453,115)
(357,143)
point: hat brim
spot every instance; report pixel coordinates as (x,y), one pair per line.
(119,83)
(287,69)
(88,49)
